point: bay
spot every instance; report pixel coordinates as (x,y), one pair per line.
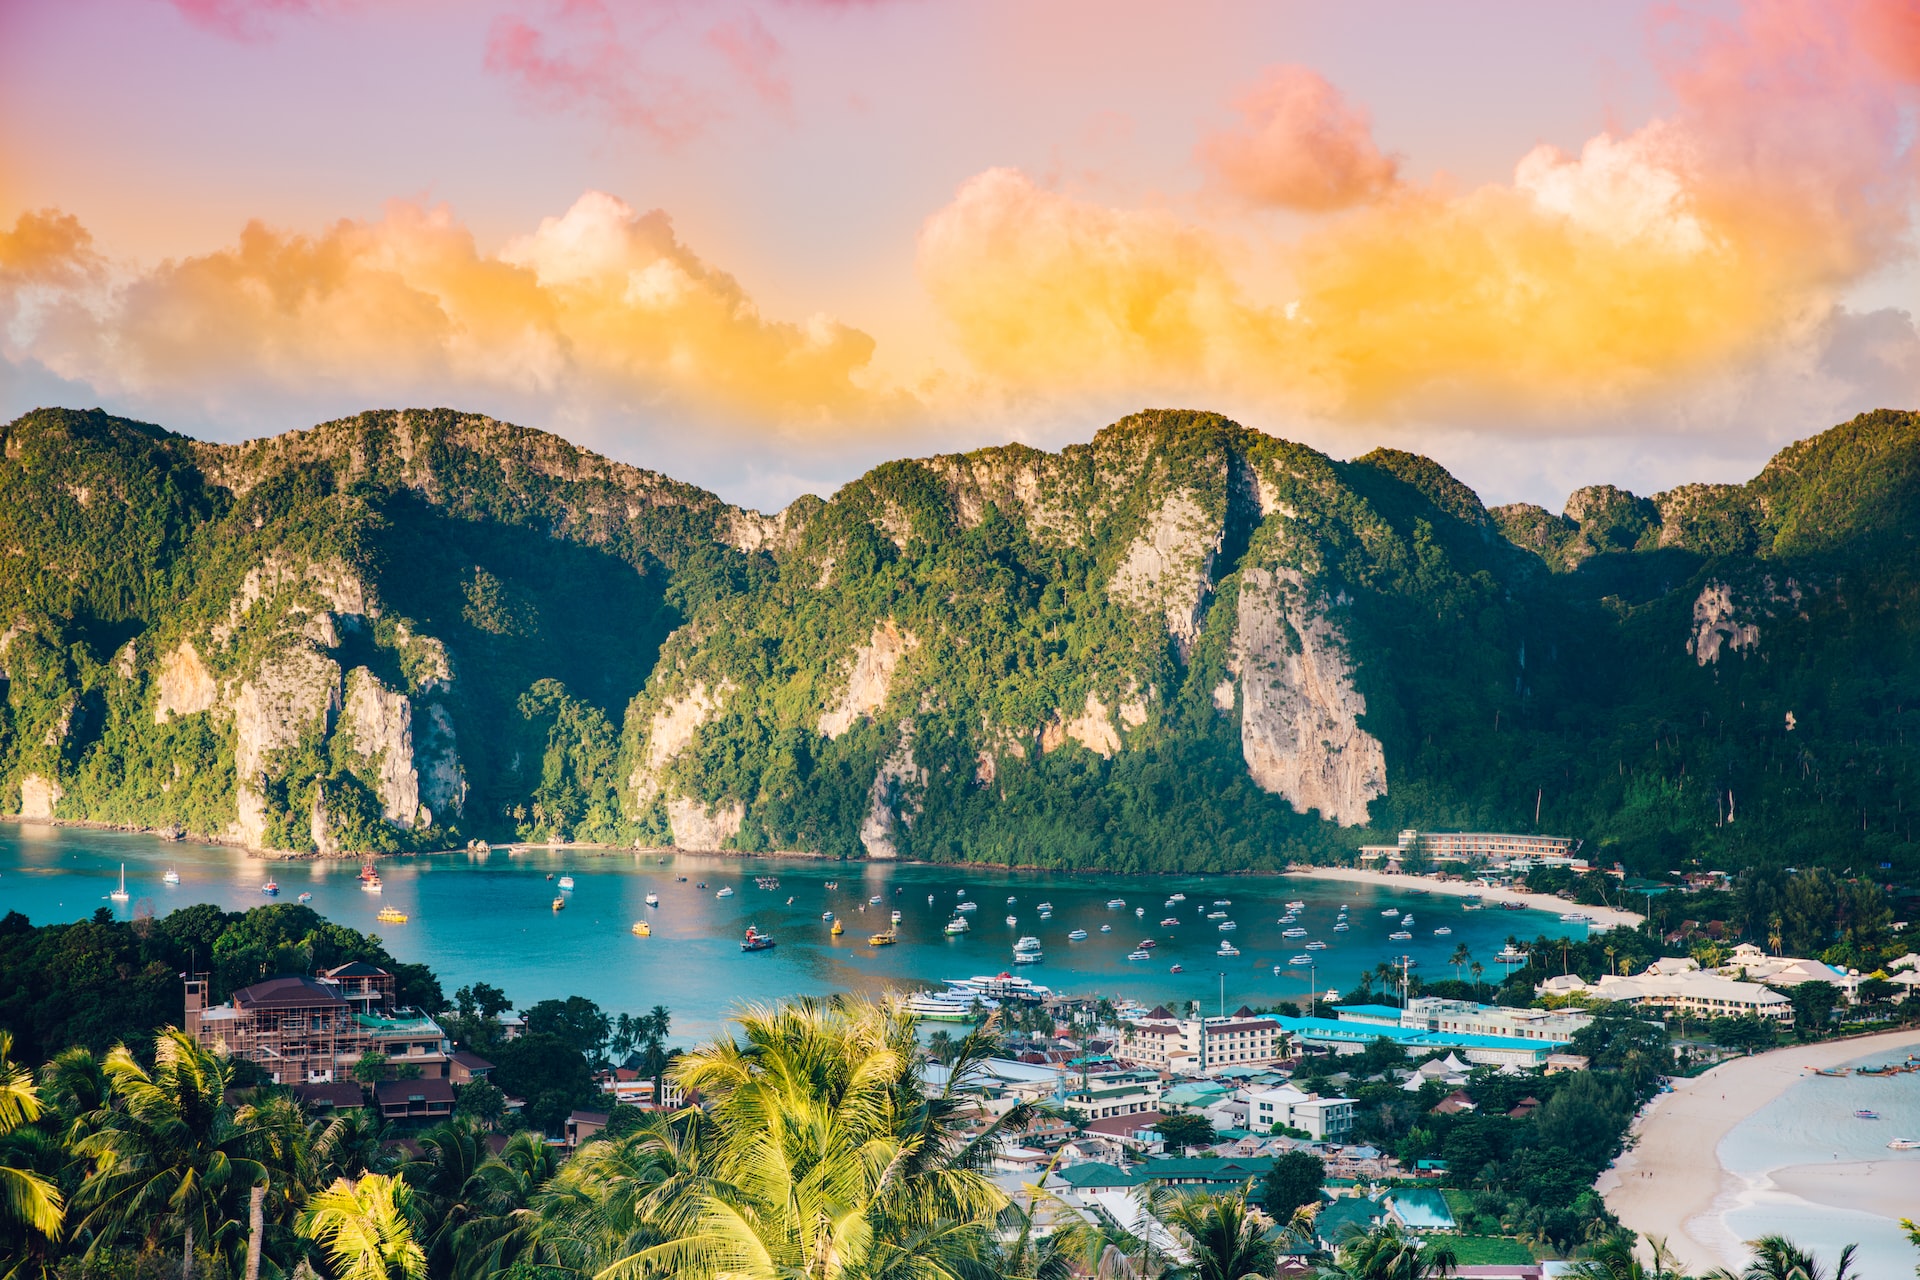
(487,917)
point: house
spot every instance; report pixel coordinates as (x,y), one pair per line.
(583,1125)
(429,1098)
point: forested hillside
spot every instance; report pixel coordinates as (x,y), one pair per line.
(1185,644)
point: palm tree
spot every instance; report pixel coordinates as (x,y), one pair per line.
(27,1199)
(1224,1240)
(1778,1258)
(172,1159)
(1388,1253)
(1614,1259)
(367,1229)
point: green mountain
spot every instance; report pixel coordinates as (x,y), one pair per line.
(1185,644)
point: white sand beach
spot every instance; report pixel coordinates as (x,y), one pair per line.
(1671,1185)
(1604,917)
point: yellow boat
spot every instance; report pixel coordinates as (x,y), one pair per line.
(641,929)
(391,915)
(838,928)
(559,904)
(886,939)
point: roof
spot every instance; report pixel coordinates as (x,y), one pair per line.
(426,1089)
(286,993)
(336,1095)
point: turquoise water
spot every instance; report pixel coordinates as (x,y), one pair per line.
(1813,1123)
(486,917)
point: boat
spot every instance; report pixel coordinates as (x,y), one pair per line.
(1227,926)
(949,1006)
(305,897)
(884,939)
(1295,932)
(1078,935)
(838,928)
(726,891)
(1400,935)
(756,940)
(1177,897)
(1443,932)
(1227,949)
(641,929)
(271,888)
(1904,1144)
(172,876)
(1106,928)
(1139,955)
(1170,922)
(1027,957)
(957,925)
(1302,959)
(1177,969)
(1013,920)
(653,899)
(1864,1114)
(559,903)
(1316,945)
(566,882)
(1148,944)
(371,884)
(120,894)
(391,915)
(1114,904)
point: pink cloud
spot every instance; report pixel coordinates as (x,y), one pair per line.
(1299,145)
(753,51)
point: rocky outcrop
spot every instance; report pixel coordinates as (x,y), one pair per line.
(698,828)
(871,679)
(378,724)
(39,796)
(670,732)
(1092,729)
(1299,712)
(890,800)
(1169,565)
(288,693)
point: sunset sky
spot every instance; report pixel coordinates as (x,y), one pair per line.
(761,246)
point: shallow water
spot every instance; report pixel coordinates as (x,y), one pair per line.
(486,917)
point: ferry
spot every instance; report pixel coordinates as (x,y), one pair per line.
(958,925)
(120,894)
(641,929)
(391,915)
(371,884)
(1443,932)
(1227,949)
(1177,897)
(653,899)
(305,897)
(948,1006)
(726,891)
(1316,945)
(838,928)
(270,888)
(885,939)
(1227,926)
(1170,922)
(756,940)
(1400,935)
(559,903)
(1295,932)
(1302,959)
(1115,904)
(1012,920)
(172,876)
(1139,955)
(566,882)
(1078,935)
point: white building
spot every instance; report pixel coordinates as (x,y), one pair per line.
(1327,1119)
(1679,986)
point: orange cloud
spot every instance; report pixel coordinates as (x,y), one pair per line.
(1699,241)
(601,307)
(1299,146)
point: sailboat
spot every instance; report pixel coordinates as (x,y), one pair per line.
(120,894)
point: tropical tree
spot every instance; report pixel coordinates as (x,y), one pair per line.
(27,1199)
(367,1229)
(1778,1258)
(1223,1239)
(1389,1253)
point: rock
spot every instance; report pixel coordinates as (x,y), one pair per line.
(378,724)
(898,773)
(1092,729)
(39,796)
(1299,726)
(186,687)
(871,680)
(1169,566)
(697,828)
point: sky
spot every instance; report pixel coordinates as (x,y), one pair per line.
(762,245)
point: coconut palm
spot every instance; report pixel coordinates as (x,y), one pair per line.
(27,1199)
(1778,1258)
(821,1156)
(1615,1259)
(1222,1238)
(1389,1253)
(172,1160)
(367,1229)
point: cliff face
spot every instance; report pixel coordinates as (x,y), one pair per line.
(1182,644)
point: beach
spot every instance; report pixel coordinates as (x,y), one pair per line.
(1672,1184)
(1603,917)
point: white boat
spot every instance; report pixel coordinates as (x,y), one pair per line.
(566,882)
(1443,932)
(1114,904)
(958,925)
(120,894)
(1400,935)
(727,892)
(1140,955)
(653,899)
(172,876)
(1013,920)
(1316,945)
(948,1006)
(1078,935)
(1227,949)
(1227,926)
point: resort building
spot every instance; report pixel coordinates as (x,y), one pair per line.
(1195,1045)
(1325,1119)
(1679,986)
(305,1030)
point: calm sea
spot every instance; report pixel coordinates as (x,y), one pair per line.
(487,917)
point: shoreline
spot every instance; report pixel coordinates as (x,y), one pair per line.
(1603,917)
(1670,1183)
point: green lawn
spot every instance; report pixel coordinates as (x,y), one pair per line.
(1484,1251)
